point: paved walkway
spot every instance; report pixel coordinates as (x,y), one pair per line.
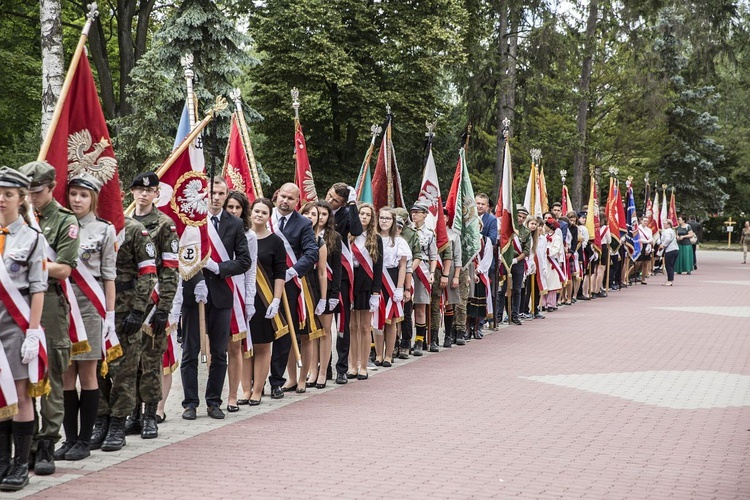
(645,394)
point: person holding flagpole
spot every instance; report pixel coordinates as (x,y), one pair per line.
(163,233)
(301,249)
(23,276)
(93,280)
(343,201)
(60,228)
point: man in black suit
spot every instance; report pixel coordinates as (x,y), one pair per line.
(211,288)
(297,230)
(343,200)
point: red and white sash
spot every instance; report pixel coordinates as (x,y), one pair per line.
(237,324)
(483,263)
(90,287)
(76,328)
(8,394)
(421,273)
(392,309)
(169,360)
(347,262)
(20,311)
(291,260)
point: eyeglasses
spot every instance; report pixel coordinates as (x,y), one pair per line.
(386,218)
(145,189)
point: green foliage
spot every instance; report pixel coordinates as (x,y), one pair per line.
(158,89)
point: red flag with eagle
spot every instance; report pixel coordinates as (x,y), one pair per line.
(673,209)
(236,165)
(81,143)
(386,180)
(303,177)
(505,211)
(430,196)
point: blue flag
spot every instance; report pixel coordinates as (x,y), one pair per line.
(633,239)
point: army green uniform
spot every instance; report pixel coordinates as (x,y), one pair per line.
(136,275)
(163,233)
(407,326)
(446,259)
(60,227)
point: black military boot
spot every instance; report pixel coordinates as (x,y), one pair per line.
(18,474)
(133,424)
(45,459)
(448,341)
(434,339)
(149,429)
(460,338)
(115,439)
(6,447)
(417,349)
(101,428)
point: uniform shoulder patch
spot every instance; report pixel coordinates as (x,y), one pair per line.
(144,232)
(150,250)
(173,228)
(73,231)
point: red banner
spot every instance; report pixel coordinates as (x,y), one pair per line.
(303,177)
(236,166)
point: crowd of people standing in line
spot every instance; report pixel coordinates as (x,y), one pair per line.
(374,280)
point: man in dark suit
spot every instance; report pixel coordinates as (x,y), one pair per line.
(343,200)
(212,289)
(489,230)
(297,230)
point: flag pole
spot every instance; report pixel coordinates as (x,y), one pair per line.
(375,131)
(235,95)
(429,135)
(509,276)
(387,156)
(91,16)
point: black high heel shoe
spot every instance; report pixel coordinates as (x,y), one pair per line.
(362,377)
(321,386)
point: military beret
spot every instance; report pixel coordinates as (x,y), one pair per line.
(13,178)
(87,181)
(40,173)
(145,179)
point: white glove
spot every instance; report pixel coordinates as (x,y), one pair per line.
(212,266)
(30,346)
(532,267)
(201,292)
(250,311)
(374,302)
(109,323)
(290,273)
(332,303)
(514,262)
(430,278)
(320,307)
(273,309)
(398,295)
(595,257)
(352,194)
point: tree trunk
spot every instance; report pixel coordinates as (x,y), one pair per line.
(98,49)
(502,65)
(125,13)
(53,64)
(580,160)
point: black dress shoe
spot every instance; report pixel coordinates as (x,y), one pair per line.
(341,378)
(322,386)
(309,384)
(253,402)
(351,375)
(387,364)
(241,402)
(362,377)
(62,450)
(215,412)
(277,392)
(516,321)
(189,413)
(161,419)
(233,408)
(290,388)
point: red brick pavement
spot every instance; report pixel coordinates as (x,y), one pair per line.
(463,424)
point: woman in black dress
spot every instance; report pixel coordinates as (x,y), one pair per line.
(367,285)
(272,265)
(321,347)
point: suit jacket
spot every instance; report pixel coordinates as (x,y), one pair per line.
(299,232)
(232,234)
(348,223)
(489,227)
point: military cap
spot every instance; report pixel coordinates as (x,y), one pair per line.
(582,214)
(522,210)
(41,174)
(145,179)
(401,212)
(13,178)
(419,207)
(87,181)
(399,221)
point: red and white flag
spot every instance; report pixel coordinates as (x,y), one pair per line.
(430,195)
(79,142)
(236,165)
(303,176)
(386,180)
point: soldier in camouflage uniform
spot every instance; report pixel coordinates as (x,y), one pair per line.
(60,227)
(407,326)
(136,276)
(161,229)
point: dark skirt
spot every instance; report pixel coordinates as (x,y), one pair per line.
(477,305)
(261,329)
(361,297)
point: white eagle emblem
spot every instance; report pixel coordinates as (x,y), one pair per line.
(308,185)
(82,158)
(189,198)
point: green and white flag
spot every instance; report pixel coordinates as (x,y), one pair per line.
(462,210)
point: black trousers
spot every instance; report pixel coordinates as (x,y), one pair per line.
(669,260)
(407,325)
(343,339)
(217,329)
(516,272)
(282,345)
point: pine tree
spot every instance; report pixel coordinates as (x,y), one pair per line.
(692,160)
(220,54)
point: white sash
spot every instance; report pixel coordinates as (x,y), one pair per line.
(291,260)
(76,328)
(238,325)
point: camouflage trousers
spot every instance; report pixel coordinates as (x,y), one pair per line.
(435,313)
(117,389)
(150,369)
(460,308)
